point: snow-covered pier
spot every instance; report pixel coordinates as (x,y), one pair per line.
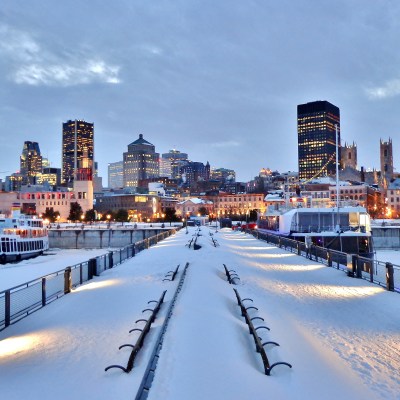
(340,334)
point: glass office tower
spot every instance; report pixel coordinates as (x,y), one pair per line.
(316,132)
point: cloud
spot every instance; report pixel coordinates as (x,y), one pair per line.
(33,65)
(389,89)
(17,45)
(230,143)
(66,75)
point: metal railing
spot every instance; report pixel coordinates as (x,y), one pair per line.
(381,273)
(22,300)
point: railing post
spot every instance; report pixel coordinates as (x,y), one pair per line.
(110,260)
(7,304)
(389,277)
(80,274)
(67,280)
(350,265)
(329,258)
(358,268)
(43,292)
(298,249)
(133,250)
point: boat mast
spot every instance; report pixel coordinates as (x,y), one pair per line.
(337,187)
(337,179)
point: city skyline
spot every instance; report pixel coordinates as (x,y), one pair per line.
(220,82)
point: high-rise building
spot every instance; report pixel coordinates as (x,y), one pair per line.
(171,162)
(140,162)
(116,175)
(192,172)
(386,158)
(30,162)
(316,122)
(77,151)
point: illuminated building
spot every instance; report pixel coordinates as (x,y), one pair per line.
(77,151)
(30,162)
(317,139)
(140,162)
(192,172)
(170,163)
(223,175)
(116,175)
(50,175)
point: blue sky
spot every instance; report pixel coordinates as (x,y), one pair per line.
(218,80)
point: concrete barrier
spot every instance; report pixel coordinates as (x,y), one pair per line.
(98,238)
(386,237)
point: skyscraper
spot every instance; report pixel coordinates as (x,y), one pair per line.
(317,138)
(77,151)
(171,162)
(140,162)
(30,162)
(116,175)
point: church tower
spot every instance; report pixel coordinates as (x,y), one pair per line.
(386,155)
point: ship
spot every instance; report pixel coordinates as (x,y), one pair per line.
(346,229)
(22,237)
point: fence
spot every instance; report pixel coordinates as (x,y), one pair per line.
(381,273)
(22,300)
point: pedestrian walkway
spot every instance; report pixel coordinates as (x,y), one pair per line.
(340,334)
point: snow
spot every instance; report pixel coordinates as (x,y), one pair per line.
(340,334)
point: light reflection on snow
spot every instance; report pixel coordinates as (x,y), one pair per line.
(97,285)
(317,290)
(15,345)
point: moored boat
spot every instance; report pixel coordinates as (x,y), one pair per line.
(21,237)
(346,229)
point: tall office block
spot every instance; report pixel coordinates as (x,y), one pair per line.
(316,123)
(77,151)
(386,158)
(140,162)
(171,162)
(116,175)
(30,162)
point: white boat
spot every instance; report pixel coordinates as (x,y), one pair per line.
(346,229)
(21,237)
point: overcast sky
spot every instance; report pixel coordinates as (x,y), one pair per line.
(219,80)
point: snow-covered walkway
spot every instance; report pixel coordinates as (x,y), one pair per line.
(340,334)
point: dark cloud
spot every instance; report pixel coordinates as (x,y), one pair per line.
(218,80)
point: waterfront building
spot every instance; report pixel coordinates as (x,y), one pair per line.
(140,162)
(39,202)
(77,151)
(393,199)
(140,207)
(237,204)
(316,122)
(193,207)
